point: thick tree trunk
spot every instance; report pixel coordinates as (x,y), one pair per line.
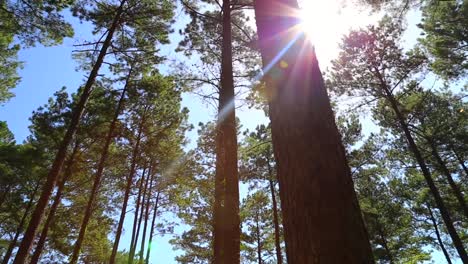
(321,216)
(455,188)
(439,239)
(54,172)
(150,243)
(98,176)
(143,239)
(427,176)
(128,187)
(138,206)
(279,256)
(20,226)
(226,216)
(55,205)
(218,242)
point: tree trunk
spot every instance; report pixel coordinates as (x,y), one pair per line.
(140,218)
(384,240)
(279,256)
(461,161)
(226,216)
(142,248)
(439,239)
(321,216)
(135,218)
(55,204)
(98,176)
(456,190)
(128,188)
(427,175)
(4,195)
(20,226)
(259,242)
(54,172)
(155,211)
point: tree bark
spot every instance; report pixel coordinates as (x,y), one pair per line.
(427,175)
(461,161)
(384,240)
(455,188)
(140,220)
(128,188)
(4,195)
(226,216)
(20,226)
(439,239)
(135,218)
(55,204)
(259,242)
(143,239)
(98,176)
(321,216)
(279,256)
(57,165)
(155,211)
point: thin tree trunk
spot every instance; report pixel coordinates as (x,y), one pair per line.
(279,256)
(461,161)
(226,216)
(384,240)
(135,218)
(57,165)
(98,176)
(140,219)
(128,187)
(55,204)
(456,190)
(439,239)
(259,245)
(427,175)
(20,226)
(155,211)
(321,215)
(4,195)
(143,239)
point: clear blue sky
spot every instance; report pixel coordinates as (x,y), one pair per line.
(47,69)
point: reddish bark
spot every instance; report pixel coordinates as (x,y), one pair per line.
(226,213)
(57,165)
(53,208)
(321,216)
(99,172)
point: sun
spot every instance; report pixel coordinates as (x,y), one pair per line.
(326,21)
(319,18)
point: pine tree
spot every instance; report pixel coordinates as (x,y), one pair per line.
(321,215)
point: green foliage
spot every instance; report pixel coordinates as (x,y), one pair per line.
(193,195)
(446,36)
(374,68)
(258,241)
(202,44)
(36,21)
(8,65)
(6,137)
(371,59)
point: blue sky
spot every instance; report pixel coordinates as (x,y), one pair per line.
(47,69)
